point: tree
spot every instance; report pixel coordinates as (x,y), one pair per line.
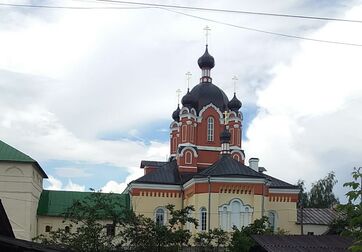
(350,224)
(213,238)
(241,240)
(87,217)
(320,195)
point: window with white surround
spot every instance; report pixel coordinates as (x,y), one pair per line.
(160,216)
(203,217)
(210,129)
(235,214)
(188,157)
(272,220)
(184,133)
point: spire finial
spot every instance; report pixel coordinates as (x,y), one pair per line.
(207,30)
(226,117)
(188,74)
(235,79)
(178,92)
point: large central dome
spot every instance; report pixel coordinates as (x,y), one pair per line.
(206,93)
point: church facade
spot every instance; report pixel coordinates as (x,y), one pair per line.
(207,167)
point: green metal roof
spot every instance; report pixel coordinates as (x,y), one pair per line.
(55,203)
(10,154)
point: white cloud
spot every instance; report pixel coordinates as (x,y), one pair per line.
(56,184)
(309,120)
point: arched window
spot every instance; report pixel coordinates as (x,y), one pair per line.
(272,220)
(67,229)
(232,136)
(203,217)
(188,157)
(210,129)
(160,216)
(184,133)
(111,230)
(48,228)
(236,157)
(174,144)
(235,214)
(224,218)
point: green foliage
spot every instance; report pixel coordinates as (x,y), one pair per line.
(84,217)
(321,194)
(351,222)
(213,238)
(241,240)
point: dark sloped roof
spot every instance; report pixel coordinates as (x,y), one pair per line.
(152,163)
(10,154)
(166,174)
(55,203)
(292,243)
(5,226)
(227,166)
(277,183)
(317,216)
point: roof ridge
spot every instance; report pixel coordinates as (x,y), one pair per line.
(10,153)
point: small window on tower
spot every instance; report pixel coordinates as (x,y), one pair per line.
(210,129)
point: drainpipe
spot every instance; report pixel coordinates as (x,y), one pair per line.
(209,207)
(301,220)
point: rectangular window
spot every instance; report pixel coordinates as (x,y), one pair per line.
(210,129)
(203,219)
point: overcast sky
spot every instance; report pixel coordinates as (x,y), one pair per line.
(89,93)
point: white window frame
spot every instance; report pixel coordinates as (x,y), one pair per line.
(203,219)
(157,214)
(210,129)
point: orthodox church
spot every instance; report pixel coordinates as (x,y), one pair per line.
(207,168)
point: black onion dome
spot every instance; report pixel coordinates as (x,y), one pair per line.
(206,93)
(225,136)
(188,100)
(206,60)
(234,104)
(176,114)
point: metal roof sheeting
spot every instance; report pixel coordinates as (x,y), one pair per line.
(55,203)
(305,243)
(317,216)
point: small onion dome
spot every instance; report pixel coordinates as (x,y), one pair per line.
(234,104)
(225,136)
(206,60)
(188,100)
(176,114)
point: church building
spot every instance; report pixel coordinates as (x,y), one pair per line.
(207,167)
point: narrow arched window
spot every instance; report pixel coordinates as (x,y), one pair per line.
(235,214)
(224,218)
(67,229)
(210,129)
(160,216)
(271,217)
(48,229)
(188,157)
(203,217)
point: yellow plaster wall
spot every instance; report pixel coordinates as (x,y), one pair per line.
(146,205)
(286,215)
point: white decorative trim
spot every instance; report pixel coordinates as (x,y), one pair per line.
(208,148)
(187,167)
(240,152)
(184,109)
(287,191)
(193,111)
(154,186)
(188,122)
(209,106)
(225,180)
(205,163)
(236,126)
(188,148)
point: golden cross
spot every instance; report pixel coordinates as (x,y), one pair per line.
(188,74)
(226,115)
(235,79)
(207,29)
(178,92)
